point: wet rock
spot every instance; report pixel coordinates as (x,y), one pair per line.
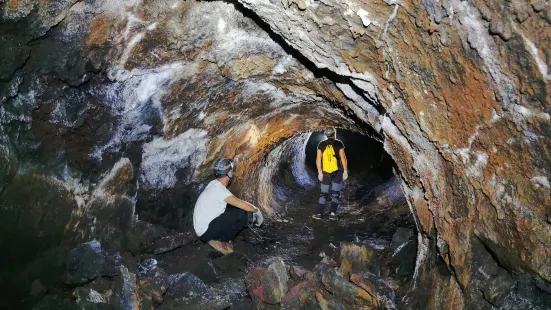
(170,243)
(401,237)
(355,258)
(275,282)
(87,262)
(342,289)
(191,293)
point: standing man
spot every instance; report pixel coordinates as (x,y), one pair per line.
(332,171)
(212,221)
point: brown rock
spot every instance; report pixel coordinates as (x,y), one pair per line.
(369,288)
(343,290)
(275,282)
(355,258)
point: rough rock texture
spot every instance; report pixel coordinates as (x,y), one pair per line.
(274,282)
(192,293)
(148,93)
(324,289)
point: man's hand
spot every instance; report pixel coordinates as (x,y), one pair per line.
(345,175)
(320,176)
(236,202)
(258,218)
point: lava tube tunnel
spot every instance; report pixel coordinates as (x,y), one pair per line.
(246,154)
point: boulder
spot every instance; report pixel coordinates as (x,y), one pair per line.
(343,290)
(302,296)
(125,295)
(375,299)
(275,282)
(191,293)
(87,262)
(255,287)
(355,258)
(299,274)
(327,302)
(149,271)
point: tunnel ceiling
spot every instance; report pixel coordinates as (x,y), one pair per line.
(103,99)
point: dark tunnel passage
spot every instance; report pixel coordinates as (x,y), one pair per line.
(367,158)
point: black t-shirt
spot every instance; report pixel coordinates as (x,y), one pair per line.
(337,146)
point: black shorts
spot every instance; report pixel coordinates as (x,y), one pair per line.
(335,177)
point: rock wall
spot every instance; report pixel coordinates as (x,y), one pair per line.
(458,90)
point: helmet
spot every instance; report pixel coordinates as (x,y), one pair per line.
(222,167)
(329,132)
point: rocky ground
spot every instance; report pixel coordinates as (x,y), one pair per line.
(373,238)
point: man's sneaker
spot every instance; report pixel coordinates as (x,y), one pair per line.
(332,216)
(222,247)
(317,216)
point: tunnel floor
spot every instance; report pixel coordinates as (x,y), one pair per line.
(302,240)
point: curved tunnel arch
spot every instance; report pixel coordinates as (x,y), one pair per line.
(462,111)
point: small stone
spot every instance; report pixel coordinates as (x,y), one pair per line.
(538,5)
(275,282)
(302,4)
(503,30)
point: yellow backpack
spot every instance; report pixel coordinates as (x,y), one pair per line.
(329,160)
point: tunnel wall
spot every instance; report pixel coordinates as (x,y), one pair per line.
(458,89)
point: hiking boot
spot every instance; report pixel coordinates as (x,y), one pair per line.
(332,216)
(317,217)
(222,247)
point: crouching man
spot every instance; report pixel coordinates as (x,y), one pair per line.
(212,221)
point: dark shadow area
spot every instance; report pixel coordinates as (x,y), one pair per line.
(366,157)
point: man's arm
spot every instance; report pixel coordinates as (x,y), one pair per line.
(343,160)
(318,161)
(236,202)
